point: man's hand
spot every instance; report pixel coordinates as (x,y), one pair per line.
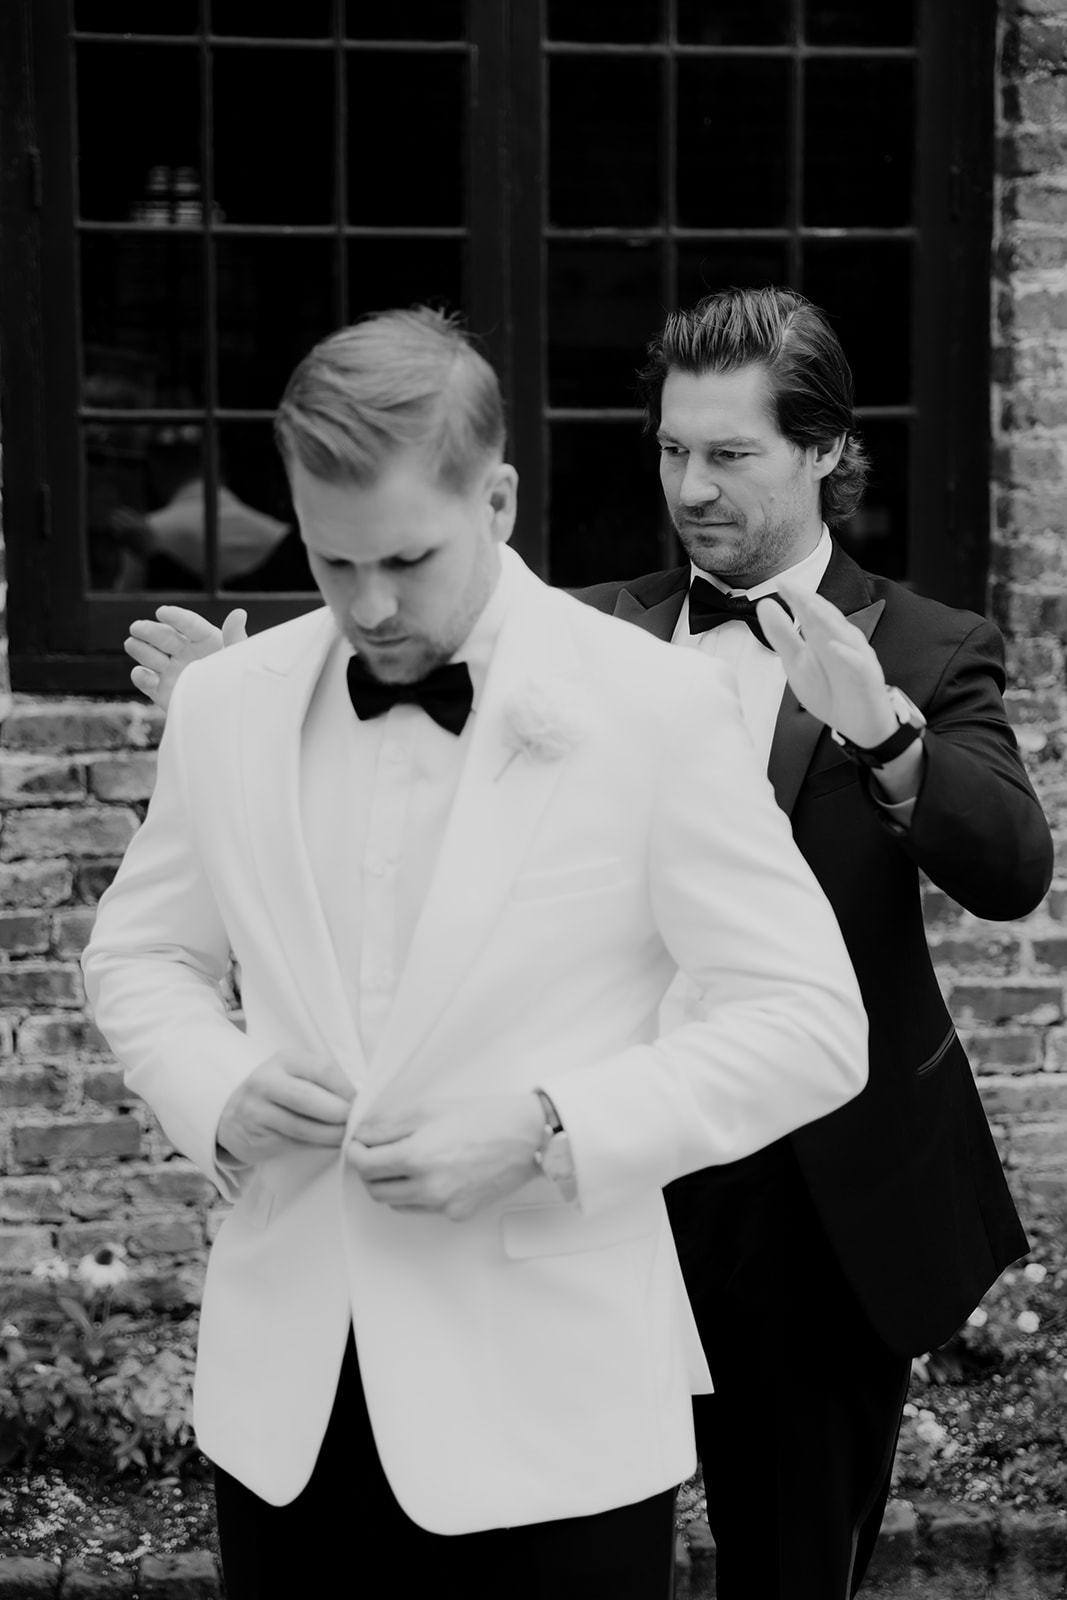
(286,1100)
(454,1161)
(165,647)
(832,669)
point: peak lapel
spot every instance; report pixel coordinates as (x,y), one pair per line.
(276,696)
(499,802)
(796,732)
(657,606)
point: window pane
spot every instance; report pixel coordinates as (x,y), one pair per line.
(705,268)
(864,180)
(604,166)
(604,303)
(134,16)
(385,273)
(411,170)
(733,143)
(861,22)
(271,166)
(260,548)
(877,536)
(145,506)
(735,22)
(407,19)
(605,503)
(273,19)
(138,118)
(846,278)
(624,22)
(275,300)
(142,319)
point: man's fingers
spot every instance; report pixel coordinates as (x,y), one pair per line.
(234,628)
(145,681)
(387,1130)
(168,641)
(379,1163)
(190,623)
(146,655)
(309,1100)
(325,1073)
(288,1124)
(780,632)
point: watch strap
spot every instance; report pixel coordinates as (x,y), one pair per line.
(879,754)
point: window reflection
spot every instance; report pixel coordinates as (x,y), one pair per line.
(138,113)
(142,319)
(606,509)
(275,300)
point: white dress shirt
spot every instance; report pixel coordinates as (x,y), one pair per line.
(375,798)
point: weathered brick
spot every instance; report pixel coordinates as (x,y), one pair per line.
(80,831)
(1056,1050)
(192,1576)
(174,1234)
(38,781)
(1038,1143)
(91,878)
(1032,46)
(35,1199)
(77,1239)
(1029,252)
(71,930)
(1030,152)
(1035,660)
(59,1034)
(1051,952)
(31,1086)
(177,1181)
(41,983)
(991,950)
(1038,1001)
(68,725)
(96,1581)
(21,1247)
(1056,903)
(28,1578)
(1037,100)
(1039,311)
(1021,461)
(35,883)
(1005,1049)
(61,1140)
(939,910)
(107,1087)
(24,932)
(1025,1095)
(123,777)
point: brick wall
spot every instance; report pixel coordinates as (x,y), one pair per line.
(82,1163)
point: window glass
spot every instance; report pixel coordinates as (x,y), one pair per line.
(384,273)
(406,19)
(865,285)
(859,143)
(273,19)
(870,22)
(275,300)
(271,166)
(260,548)
(622,22)
(735,22)
(877,536)
(144,505)
(604,302)
(606,508)
(724,263)
(407,167)
(604,121)
(142,319)
(733,143)
(155,90)
(135,16)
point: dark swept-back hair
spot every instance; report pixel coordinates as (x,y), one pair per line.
(809,380)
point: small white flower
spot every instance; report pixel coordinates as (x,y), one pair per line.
(1028,1321)
(920,1368)
(978,1318)
(910,1410)
(930,1430)
(53,1269)
(1035,1272)
(545,719)
(104,1268)
(9,1331)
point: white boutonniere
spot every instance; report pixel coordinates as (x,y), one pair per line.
(544,720)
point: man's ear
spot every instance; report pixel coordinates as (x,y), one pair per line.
(502,499)
(825,457)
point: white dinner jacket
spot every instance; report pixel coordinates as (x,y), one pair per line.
(537,1361)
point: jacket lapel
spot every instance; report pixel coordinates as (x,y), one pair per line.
(499,803)
(276,696)
(796,732)
(655,602)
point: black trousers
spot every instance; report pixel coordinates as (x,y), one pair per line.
(797,1442)
(346,1536)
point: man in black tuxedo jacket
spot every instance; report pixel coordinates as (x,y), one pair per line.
(819,1266)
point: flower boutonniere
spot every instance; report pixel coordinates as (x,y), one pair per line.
(544,719)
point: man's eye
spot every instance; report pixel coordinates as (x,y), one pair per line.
(672,450)
(401,562)
(732,455)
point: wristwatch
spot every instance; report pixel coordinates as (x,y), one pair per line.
(553,1154)
(911,724)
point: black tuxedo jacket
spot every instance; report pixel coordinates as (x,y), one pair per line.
(906,1177)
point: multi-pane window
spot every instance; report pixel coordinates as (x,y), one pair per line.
(196,190)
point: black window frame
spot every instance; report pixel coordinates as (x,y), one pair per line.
(62,640)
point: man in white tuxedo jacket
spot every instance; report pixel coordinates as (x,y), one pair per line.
(459,832)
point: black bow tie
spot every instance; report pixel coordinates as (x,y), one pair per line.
(708,607)
(445,694)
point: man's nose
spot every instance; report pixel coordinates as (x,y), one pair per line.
(372,603)
(698,484)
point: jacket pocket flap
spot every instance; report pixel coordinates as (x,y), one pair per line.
(555,882)
(560,1230)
